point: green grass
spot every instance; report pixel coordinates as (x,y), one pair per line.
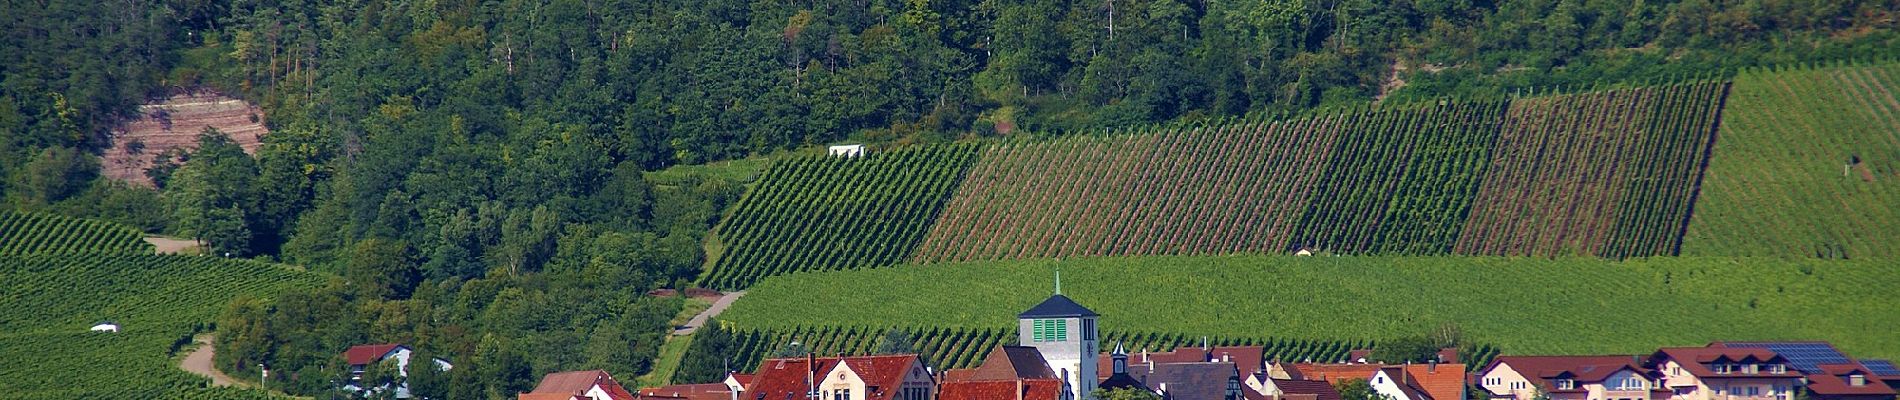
(1780,182)
(47,302)
(667,363)
(1520,305)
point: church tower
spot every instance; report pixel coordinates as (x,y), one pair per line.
(1065,334)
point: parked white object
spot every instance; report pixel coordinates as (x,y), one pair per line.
(847,150)
(107,326)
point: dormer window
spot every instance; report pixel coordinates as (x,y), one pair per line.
(1778,368)
(1857,380)
(1566,384)
(1721,368)
(1751,368)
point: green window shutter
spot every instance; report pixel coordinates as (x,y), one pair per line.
(1061,330)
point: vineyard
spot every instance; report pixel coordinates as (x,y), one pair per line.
(27,233)
(822,212)
(1606,174)
(1228,188)
(1399,181)
(947,348)
(47,302)
(1808,165)
(1579,305)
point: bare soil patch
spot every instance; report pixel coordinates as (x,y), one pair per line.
(175,123)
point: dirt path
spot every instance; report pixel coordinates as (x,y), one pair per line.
(199,362)
(700,320)
(165,245)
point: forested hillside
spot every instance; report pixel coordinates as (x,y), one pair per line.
(521,172)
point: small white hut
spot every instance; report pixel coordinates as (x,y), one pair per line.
(107,326)
(846,150)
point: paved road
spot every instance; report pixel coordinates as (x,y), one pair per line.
(199,362)
(700,320)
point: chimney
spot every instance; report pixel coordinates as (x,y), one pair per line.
(1431,367)
(1019,389)
(1224,357)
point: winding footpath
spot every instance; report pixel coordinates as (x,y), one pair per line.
(699,320)
(199,362)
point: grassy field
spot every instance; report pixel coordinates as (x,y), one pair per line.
(1520,305)
(1807,165)
(47,302)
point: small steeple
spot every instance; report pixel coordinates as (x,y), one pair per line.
(1121,358)
(1058,281)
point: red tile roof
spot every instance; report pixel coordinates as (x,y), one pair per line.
(1029,389)
(1333,373)
(1442,381)
(779,377)
(579,382)
(368,353)
(545,396)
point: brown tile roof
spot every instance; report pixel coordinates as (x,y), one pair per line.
(1696,360)
(1248,358)
(1028,389)
(1319,390)
(368,353)
(1013,362)
(578,382)
(1834,381)
(1583,369)
(545,396)
(1333,373)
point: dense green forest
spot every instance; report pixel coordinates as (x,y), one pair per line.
(482,173)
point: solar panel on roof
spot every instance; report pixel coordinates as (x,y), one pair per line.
(1804,356)
(1881,367)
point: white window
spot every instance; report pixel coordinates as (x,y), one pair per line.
(1566,384)
(1751,368)
(1778,368)
(1857,380)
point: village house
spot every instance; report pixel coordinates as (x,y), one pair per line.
(1830,373)
(360,357)
(578,385)
(1613,377)
(887,377)
(1725,373)
(1008,373)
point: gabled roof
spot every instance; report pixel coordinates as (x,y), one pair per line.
(1248,358)
(1057,306)
(1320,390)
(777,378)
(1442,381)
(369,353)
(1407,384)
(1029,389)
(1834,382)
(1696,360)
(1333,373)
(579,382)
(1583,369)
(1012,362)
(1196,380)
